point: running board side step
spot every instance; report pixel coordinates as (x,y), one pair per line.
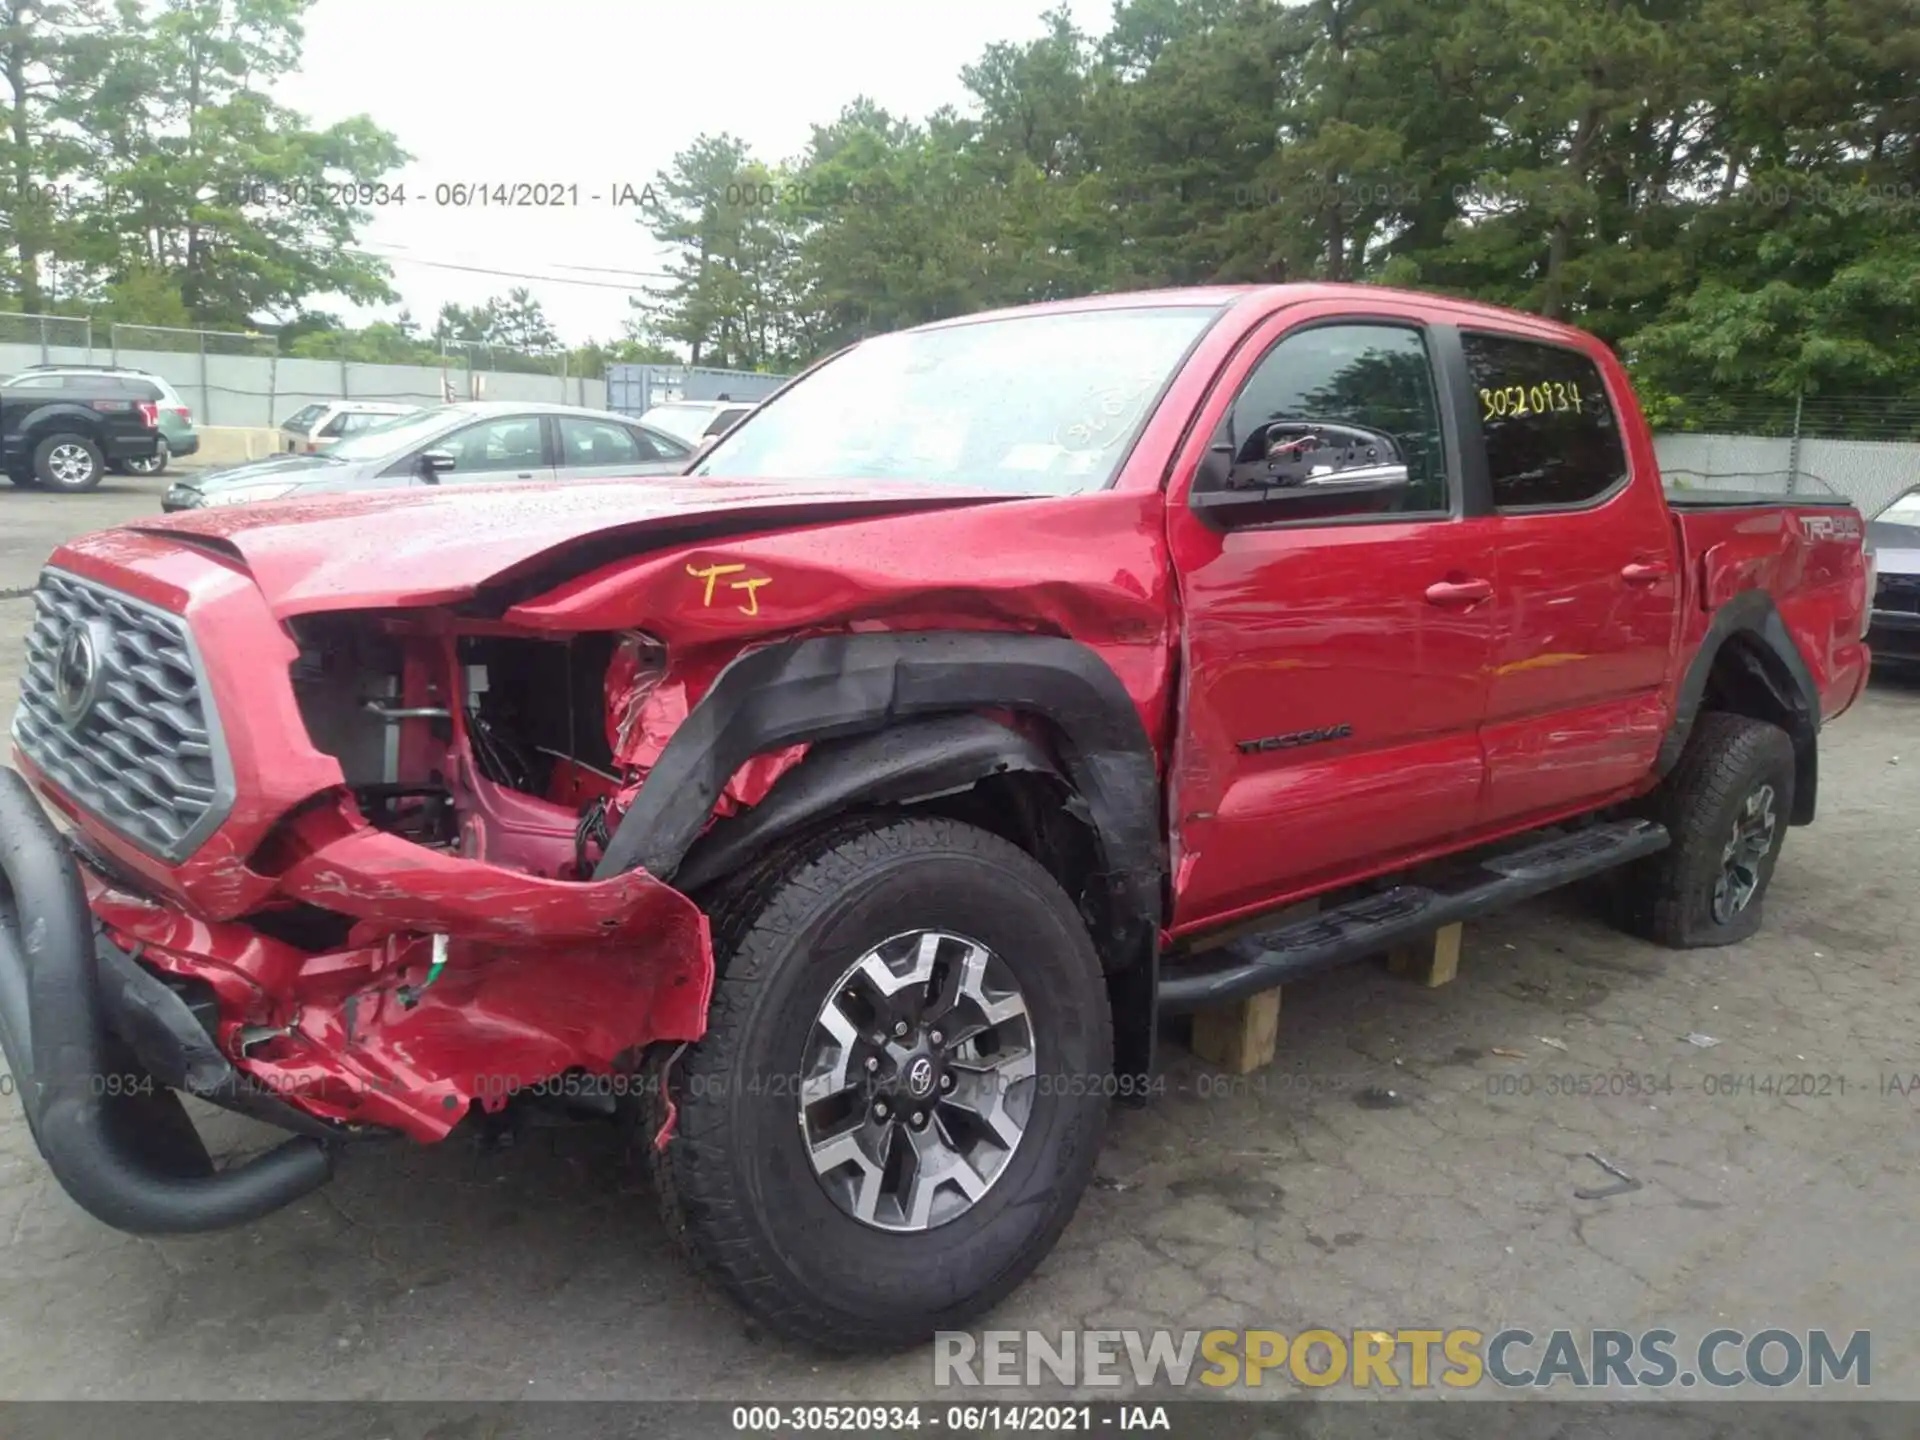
(1404,913)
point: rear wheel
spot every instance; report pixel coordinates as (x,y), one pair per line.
(68,462)
(154,464)
(902,1088)
(1726,806)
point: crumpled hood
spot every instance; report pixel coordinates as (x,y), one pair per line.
(382,549)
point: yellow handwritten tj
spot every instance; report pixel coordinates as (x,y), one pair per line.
(711,573)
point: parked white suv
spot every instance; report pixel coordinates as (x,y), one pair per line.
(317,427)
(696,420)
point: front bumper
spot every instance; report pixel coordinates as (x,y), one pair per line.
(319,937)
(97,1045)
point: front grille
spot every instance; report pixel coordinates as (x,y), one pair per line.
(140,748)
(1898,593)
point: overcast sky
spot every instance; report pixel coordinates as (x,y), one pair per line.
(601,92)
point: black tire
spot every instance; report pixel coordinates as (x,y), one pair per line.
(1673,898)
(157,465)
(735,1182)
(68,462)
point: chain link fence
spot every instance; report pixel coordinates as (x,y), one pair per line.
(1865,448)
(240,378)
(52,335)
(1810,417)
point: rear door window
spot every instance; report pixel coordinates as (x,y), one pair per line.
(1553,441)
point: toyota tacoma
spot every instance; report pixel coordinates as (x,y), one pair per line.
(849,810)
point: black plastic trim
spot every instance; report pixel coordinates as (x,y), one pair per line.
(174,1047)
(908,763)
(1376,922)
(126,1151)
(1748,499)
(1752,614)
(834,686)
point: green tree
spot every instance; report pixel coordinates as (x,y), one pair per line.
(1726,190)
(519,323)
(193,168)
(721,213)
(468,324)
(49,55)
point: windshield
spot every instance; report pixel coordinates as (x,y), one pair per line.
(1904,511)
(399,434)
(1043,404)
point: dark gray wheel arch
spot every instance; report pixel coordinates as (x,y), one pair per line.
(835,686)
(1749,632)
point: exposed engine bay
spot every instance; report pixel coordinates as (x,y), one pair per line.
(495,747)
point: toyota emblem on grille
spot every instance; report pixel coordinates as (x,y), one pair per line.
(76,674)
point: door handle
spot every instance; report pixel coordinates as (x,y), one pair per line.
(1459,592)
(1643,573)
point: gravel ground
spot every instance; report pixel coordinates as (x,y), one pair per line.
(1282,1200)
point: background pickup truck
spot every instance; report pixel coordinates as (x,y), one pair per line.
(66,438)
(849,811)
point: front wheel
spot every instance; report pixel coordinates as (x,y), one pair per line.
(1726,805)
(68,462)
(902,1089)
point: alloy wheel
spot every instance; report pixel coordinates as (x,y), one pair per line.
(70,464)
(917,1081)
(1746,851)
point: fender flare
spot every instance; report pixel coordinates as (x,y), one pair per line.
(1753,618)
(834,686)
(916,761)
(62,417)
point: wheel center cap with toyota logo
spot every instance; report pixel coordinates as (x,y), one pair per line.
(77,673)
(920,1078)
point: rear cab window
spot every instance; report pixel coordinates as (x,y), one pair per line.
(1552,438)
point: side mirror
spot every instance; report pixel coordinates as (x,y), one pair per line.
(1298,470)
(434,464)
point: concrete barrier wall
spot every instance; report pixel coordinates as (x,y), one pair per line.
(254,391)
(1871,473)
(233,445)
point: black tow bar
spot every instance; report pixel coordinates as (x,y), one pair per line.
(119,1143)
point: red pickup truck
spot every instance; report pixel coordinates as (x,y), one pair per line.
(851,808)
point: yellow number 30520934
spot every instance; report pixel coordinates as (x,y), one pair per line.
(1548,396)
